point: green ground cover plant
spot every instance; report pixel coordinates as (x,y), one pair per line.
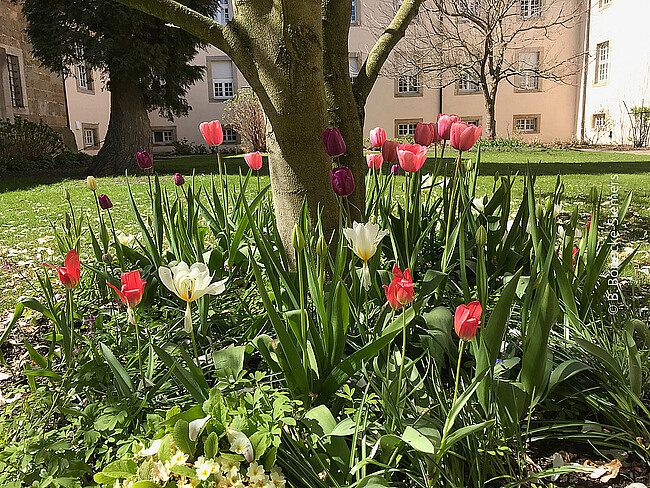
(466,318)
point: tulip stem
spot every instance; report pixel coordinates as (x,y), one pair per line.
(406,218)
(347,206)
(401,366)
(131,314)
(460,357)
(258,180)
(196,354)
(69,325)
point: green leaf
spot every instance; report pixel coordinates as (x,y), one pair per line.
(417,441)
(344,428)
(145,484)
(260,441)
(123,468)
(216,407)
(35,355)
(185,470)
(372,481)
(182,374)
(463,432)
(182,437)
(211,446)
(165,449)
(229,360)
(122,378)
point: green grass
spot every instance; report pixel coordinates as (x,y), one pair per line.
(28,216)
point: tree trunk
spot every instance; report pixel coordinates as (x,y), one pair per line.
(491,122)
(128,130)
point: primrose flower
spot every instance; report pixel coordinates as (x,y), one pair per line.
(69,274)
(240,444)
(203,471)
(255,472)
(190,284)
(363,240)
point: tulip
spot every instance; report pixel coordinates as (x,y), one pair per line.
(377,137)
(464,135)
(444,125)
(69,274)
(374,160)
(105,202)
(411,156)
(65,194)
(254,160)
(333,142)
(342,181)
(144,159)
(178,179)
(91,183)
(131,291)
(436,134)
(363,240)
(557,208)
(400,291)
(190,284)
(466,320)
(424,133)
(389,151)
(212,132)
(395,169)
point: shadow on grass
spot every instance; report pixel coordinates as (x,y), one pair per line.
(207,164)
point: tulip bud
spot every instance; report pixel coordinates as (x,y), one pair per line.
(377,137)
(68,224)
(496,176)
(333,142)
(389,151)
(107,258)
(548,205)
(394,169)
(178,179)
(342,181)
(144,159)
(91,183)
(105,202)
(297,238)
(481,236)
(539,210)
(65,194)
(321,247)
(593,195)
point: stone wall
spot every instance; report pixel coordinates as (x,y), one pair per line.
(42,90)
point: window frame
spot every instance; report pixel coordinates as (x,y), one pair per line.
(15,77)
(212,94)
(164,130)
(532,75)
(409,122)
(594,124)
(227,132)
(94,129)
(524,117)
(599,63)
(530,9)
(473,119)
(465,77)
(89,82)
(354,15)
(408,82)
(222,15)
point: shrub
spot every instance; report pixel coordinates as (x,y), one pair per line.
(185,147)
(23,140)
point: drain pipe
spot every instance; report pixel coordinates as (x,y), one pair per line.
(585,74)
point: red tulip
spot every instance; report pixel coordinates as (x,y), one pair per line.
(374,160)
(444,125)
(377,137)
(400,291)
(464,135)
(144,159)
(253,160)
(69,274)
(132,288)
(466,320)
(411,156)
(389,151)
(424,134)
(436,134)
(333,142)
(212,132)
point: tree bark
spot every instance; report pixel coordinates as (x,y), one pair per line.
(491,122)
(128,131)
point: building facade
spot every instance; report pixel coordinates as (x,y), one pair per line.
(27,89)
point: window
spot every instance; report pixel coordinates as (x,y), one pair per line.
(84,76)
(89,138)
(164,136)
(602,62)
(90,135)
(599,122)
(466,83)
(353,17)
(15,83)
(528,71)
(408,83)
(605,3)
(229,136)
(471,121)
(222,80)
(527,123)
(406,129)
(223,12)
(353,63)
(531,8)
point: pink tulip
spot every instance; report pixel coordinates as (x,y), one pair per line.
(424,134)
(374,160)
(389,151)
(212,132)
(444,125)
(436,134)
(254,160)
(411,156)
(464,135)
(466,320)
(377,137)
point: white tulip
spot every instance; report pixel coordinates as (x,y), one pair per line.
(364,239)
(189,284)
(557,208)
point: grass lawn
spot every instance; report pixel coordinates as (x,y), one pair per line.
(28,216)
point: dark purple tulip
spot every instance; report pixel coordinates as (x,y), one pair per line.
(105,202)
(395,169)
(342,181)
(179,180)
(389,151)
(333,142)
(144,159)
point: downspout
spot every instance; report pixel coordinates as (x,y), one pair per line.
(585,74)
